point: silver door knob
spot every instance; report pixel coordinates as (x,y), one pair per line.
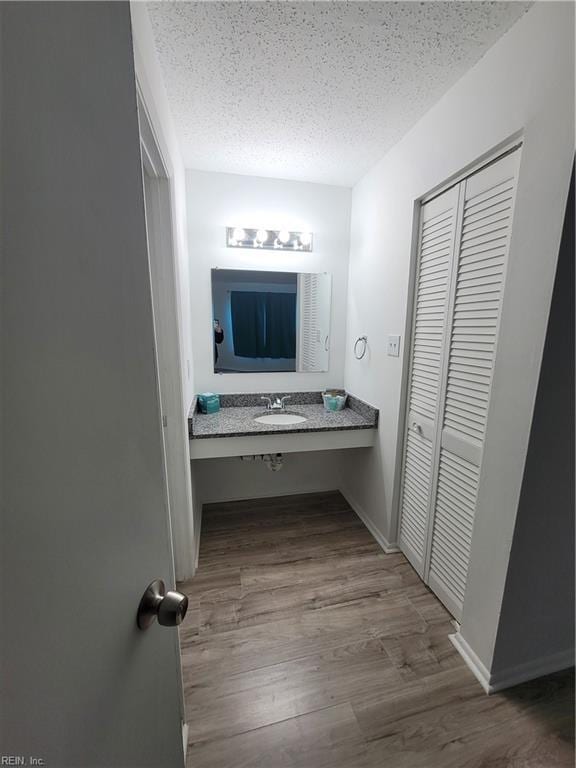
(168,607)
(417,427)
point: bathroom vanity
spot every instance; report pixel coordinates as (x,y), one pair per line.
(244,426)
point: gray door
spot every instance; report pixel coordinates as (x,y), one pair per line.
(85,520)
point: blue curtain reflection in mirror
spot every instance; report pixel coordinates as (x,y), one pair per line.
(263,324)
(248,317)
(281,325)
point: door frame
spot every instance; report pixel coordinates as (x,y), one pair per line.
(164,284)
(164,279)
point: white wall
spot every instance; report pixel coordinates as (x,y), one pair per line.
(232,478)
(218,200)
(524,84)
(185,515)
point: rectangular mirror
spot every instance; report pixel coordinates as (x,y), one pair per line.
(270,321)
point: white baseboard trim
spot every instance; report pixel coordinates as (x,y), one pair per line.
(270,495)
(521,673)
(185,740)
(388,548)
(197,542)
(472,661)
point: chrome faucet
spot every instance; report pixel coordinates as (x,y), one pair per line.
(278,404)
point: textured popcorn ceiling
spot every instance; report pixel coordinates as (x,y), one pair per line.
(316,91)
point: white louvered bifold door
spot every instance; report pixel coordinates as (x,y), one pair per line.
(475,303)
(307,321)
(438,224)
(313,309)
(313,299)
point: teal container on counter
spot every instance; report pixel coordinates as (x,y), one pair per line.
(208,402)
(334,400)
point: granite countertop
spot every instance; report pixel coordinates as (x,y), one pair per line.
(238,420)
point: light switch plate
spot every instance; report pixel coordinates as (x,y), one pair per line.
(393,349)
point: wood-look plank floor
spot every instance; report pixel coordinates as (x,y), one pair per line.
(305,646)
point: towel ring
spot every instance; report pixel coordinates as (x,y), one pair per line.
(360,340)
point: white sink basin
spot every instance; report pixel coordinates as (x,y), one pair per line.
(280,418)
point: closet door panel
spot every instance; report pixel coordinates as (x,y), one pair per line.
(434,267)
(480,267)
(454,510)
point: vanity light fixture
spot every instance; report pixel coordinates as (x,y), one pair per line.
(262,236)
(274,239)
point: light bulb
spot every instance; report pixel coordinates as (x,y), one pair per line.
(284,236)
(261,235)
(305,238)
(239,234)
